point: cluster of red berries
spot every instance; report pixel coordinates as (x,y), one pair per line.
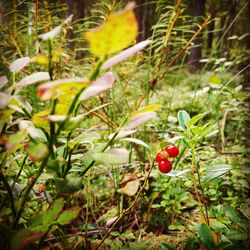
(164,165)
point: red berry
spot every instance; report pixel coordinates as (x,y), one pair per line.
(172,151)
(159,157)
(165,166)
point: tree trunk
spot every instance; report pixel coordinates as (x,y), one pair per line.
(144,12)
(195,52)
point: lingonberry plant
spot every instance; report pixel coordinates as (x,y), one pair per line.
(164,164)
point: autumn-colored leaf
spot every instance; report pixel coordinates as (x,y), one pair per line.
(68,215)
(54,89)
(130,187)
(25,237)
(118,32)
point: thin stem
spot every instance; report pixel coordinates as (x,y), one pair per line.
(105,147)
(28,190)
(195,169)
(11,199)
(129,208)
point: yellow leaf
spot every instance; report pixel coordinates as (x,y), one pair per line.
(54,89)
(40,59)
(118,32)
(40,119)
(148,108)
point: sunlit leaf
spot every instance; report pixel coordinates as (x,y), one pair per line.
(146,109)
(183,118)
(136,141)
(15,140)
(18,103)
(3,81)
(5,115)
(130,188)
(33,78)
(36,151)
(125,54)
(112,156)
(100,85)
(139,119)
(194,120)
(19,64)
(40,59)
(118,32)
(40,119)
(54,89)
(33,132)
(55,31)
(56,118)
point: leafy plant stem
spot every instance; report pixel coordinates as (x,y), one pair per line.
(28,189)
(42,239)
(196,170)
(9,191)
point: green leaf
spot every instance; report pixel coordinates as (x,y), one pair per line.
(206,235)
(191,244)
(166,246)
(148,108)
(68,215)
(183,118)
(232,214)
(70,184)
(112,156)
(216,171)
(37,219)
(237,235)
(53,212)
(194,120)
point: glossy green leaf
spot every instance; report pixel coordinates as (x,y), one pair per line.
(206,236)
(183,118)
(68,215)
